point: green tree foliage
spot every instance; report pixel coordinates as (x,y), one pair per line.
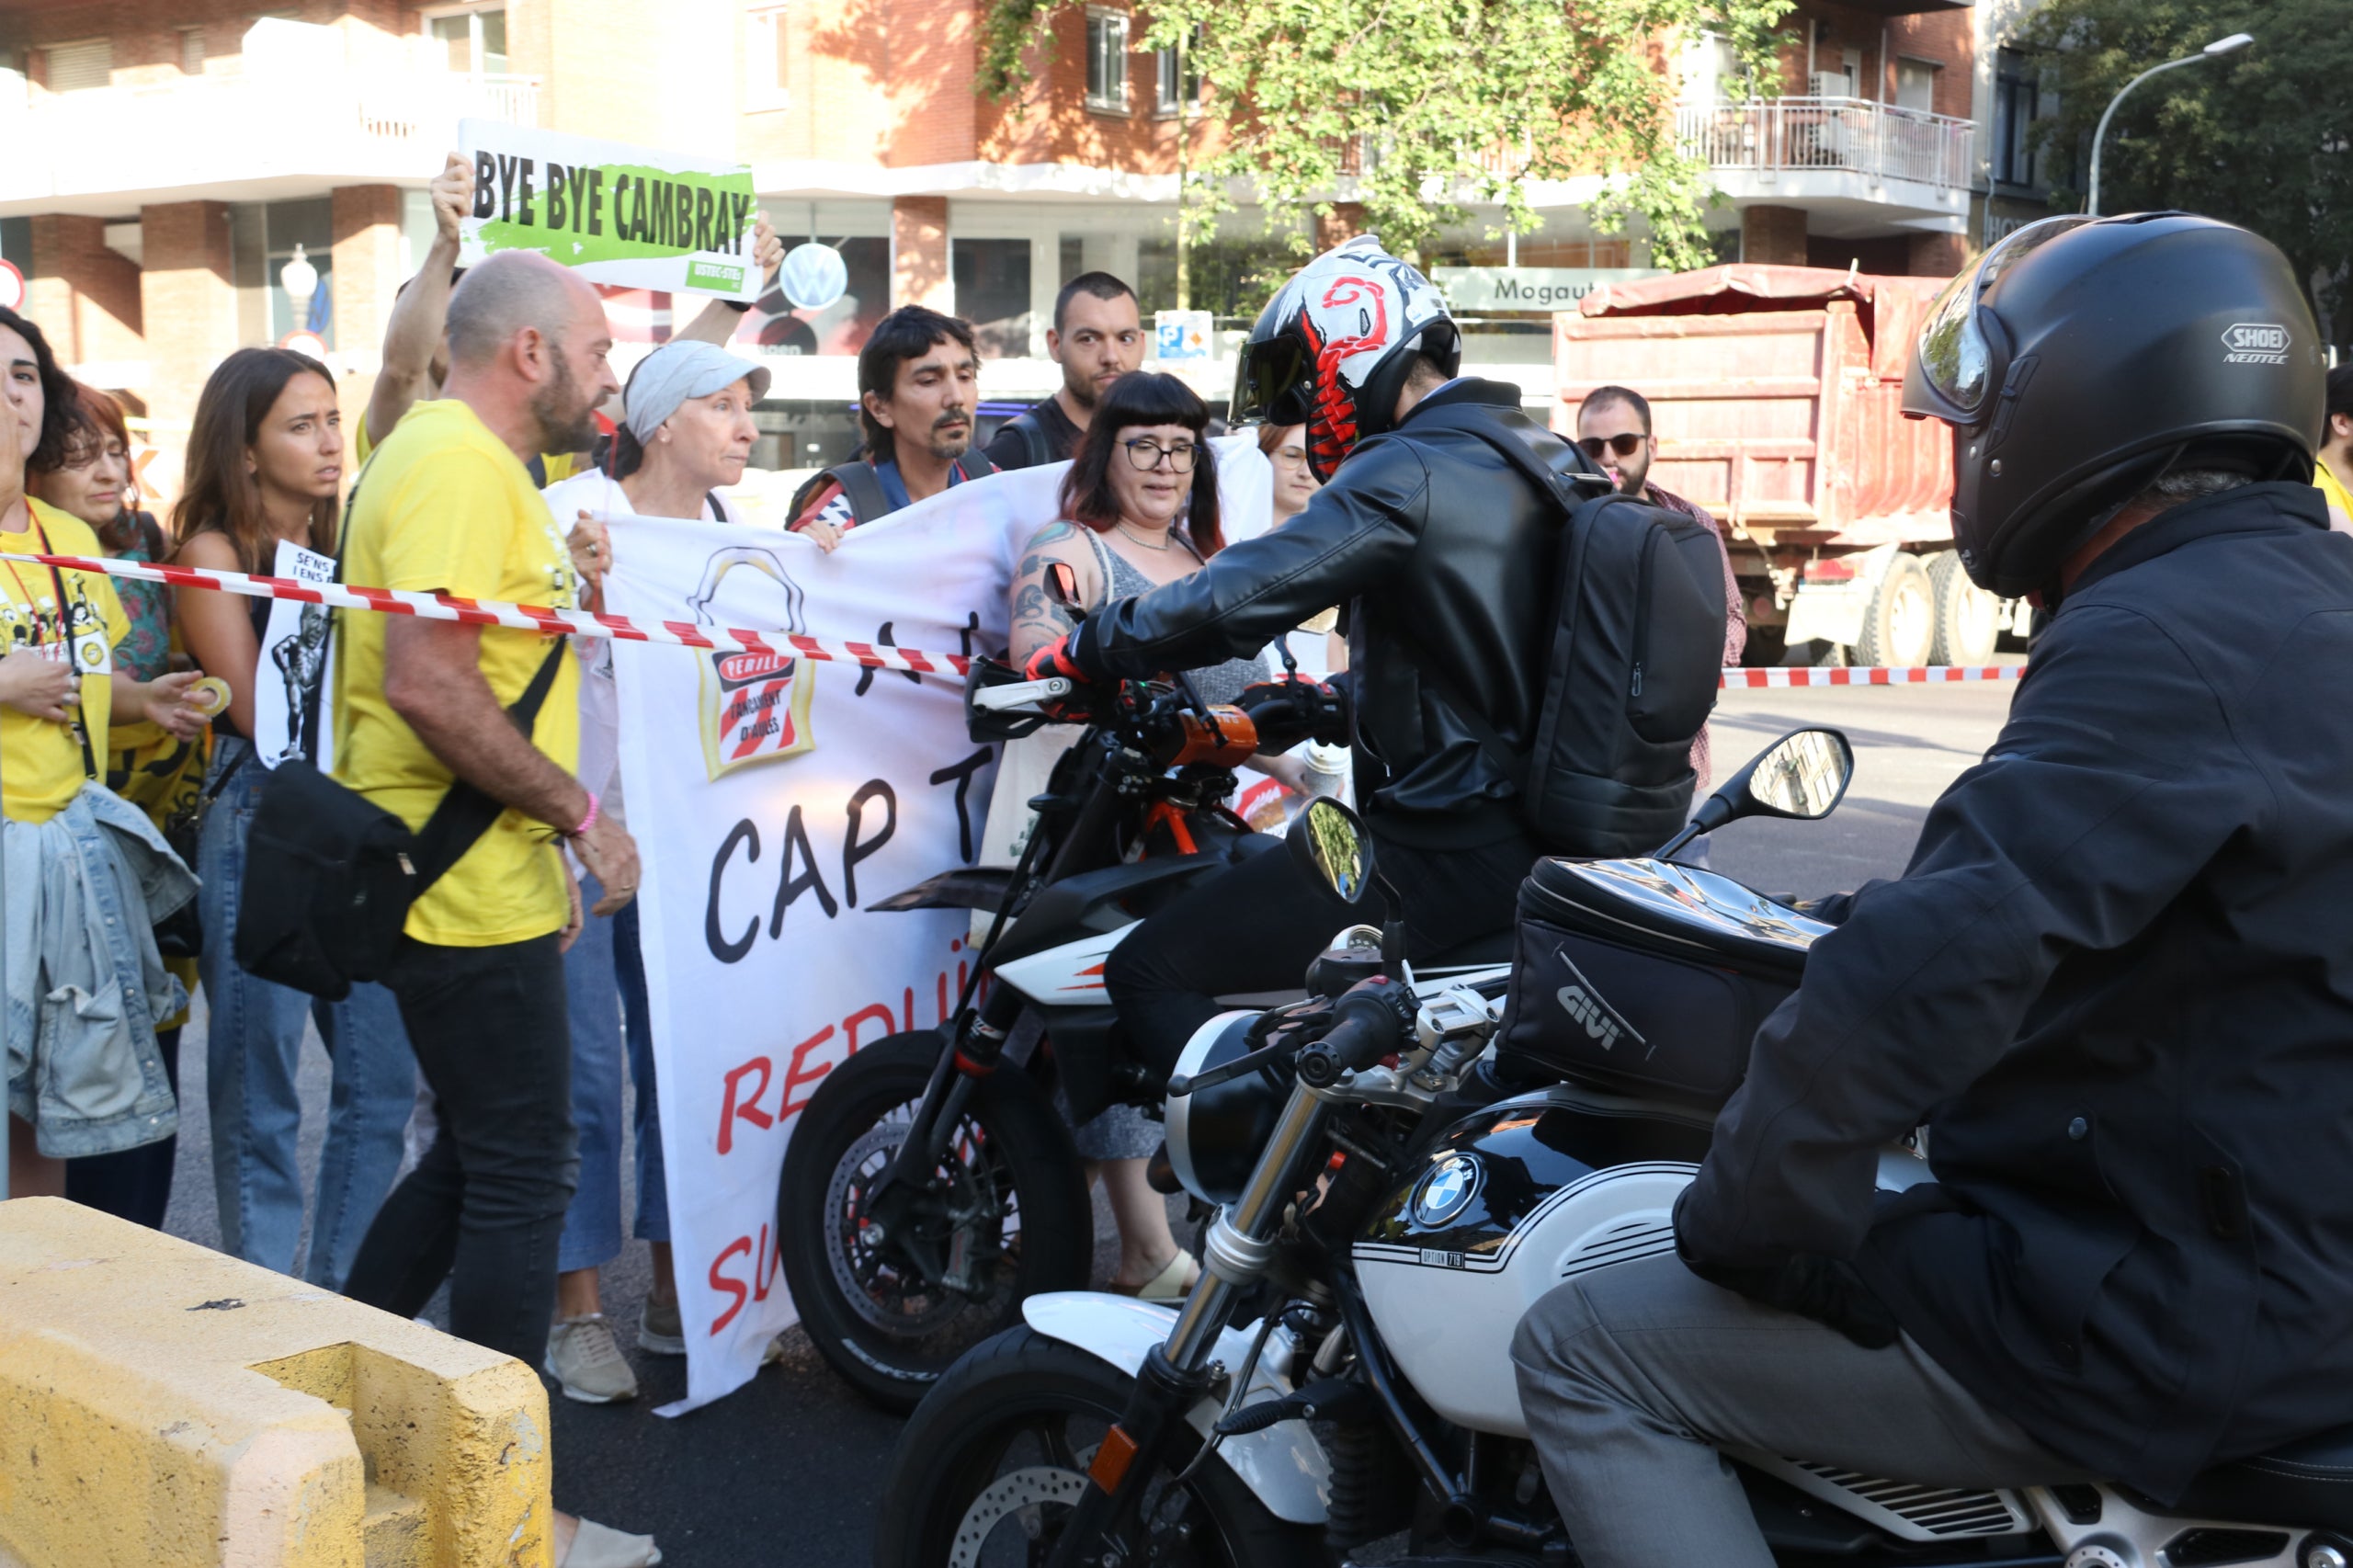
(2263,138)
(1415,110)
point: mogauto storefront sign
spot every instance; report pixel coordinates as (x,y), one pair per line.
(1527,288)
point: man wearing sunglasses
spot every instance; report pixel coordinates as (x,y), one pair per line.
(1614,430)
(2112,989)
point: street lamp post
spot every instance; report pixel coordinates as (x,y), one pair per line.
(2214,50)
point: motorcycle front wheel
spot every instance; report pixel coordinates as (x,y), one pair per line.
(986,1473)
(1005,1216)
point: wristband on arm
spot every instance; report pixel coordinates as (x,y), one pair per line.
(588,821)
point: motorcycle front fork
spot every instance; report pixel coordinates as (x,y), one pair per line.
(1102,1529)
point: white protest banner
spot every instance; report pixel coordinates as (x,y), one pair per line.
(292,707)
(629,216)
(774,801)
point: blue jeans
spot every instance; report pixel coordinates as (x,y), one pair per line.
(604,979)
(252,1046)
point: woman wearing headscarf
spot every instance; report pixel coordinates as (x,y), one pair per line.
(687,435)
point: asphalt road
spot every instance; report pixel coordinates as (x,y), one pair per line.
(786,1471)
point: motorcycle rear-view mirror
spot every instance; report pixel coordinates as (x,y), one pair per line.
(1062,586)
(1803,776)
(1331,844)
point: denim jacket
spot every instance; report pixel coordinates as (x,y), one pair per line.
(84,983)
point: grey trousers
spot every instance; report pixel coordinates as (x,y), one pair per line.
(1633,1377)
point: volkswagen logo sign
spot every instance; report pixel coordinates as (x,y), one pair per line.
(1445,1190)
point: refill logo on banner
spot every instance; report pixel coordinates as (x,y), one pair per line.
(630,217)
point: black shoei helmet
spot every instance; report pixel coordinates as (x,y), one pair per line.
(2083,358)
(1332,348)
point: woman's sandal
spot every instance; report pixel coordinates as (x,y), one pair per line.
(1173,1283)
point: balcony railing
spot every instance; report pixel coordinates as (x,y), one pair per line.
(1775,135)
(203,133)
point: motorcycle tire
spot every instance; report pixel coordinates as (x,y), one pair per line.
(964,1468)
(895,1337)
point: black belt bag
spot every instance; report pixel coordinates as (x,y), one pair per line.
(330,877)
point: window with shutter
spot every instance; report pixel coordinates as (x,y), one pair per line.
(76,67)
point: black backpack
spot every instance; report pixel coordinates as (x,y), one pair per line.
(866,500)
(1036,449)
(1633,663)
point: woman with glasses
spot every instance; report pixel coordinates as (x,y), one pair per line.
(1140,509)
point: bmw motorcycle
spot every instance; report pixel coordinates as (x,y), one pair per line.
(1395,1193)
(931,1185)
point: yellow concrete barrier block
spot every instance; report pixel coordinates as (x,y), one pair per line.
(165,1406)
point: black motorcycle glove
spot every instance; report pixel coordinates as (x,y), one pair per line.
(1827,1289)
(1309,710)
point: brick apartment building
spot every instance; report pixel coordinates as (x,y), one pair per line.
(167,156)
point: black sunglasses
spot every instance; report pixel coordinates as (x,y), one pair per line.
(1624,445)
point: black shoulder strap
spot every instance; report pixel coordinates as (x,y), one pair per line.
(1552,464)
(711,499)
(538,469)
(1033,437)
(465,813)
(976,464)
(867,501)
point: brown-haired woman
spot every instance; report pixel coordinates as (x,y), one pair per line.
(265,465)
(87,872)
(148,765)
(1140,509)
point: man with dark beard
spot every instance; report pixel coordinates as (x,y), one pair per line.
(1098,336)
(427,707)
(918,382)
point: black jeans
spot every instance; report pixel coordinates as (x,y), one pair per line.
(136,1183)
(487,1203)
(1258,926)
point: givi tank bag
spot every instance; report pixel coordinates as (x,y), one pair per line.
(1623,980)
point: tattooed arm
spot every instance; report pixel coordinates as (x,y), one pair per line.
(1037,619)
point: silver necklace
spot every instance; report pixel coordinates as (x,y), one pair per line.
(1161,546)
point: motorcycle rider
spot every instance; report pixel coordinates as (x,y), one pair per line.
(2113,980)
(1442,545)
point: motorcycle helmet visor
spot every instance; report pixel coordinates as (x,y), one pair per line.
(1270,384)
(1955,358)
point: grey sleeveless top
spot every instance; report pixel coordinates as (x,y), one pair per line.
(1217,684)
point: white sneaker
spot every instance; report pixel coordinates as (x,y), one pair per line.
(583,1357)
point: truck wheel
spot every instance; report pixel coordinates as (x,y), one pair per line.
(1901,621)
(1968,619)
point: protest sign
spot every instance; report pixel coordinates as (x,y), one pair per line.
(774,802)
(629,216)
(292,712)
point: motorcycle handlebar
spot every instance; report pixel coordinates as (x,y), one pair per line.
(1369,1026)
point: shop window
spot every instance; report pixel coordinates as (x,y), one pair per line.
(77,67)
(992,293)
(1106,61)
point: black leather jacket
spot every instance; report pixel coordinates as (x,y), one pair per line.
(1447,554)
(2117,983)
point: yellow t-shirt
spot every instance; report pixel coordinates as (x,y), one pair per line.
(40,762)
(446,505)
(559,465)
(2333,488)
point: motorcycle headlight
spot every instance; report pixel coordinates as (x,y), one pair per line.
(1215,1135)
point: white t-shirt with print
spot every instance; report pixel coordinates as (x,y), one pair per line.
(602,495)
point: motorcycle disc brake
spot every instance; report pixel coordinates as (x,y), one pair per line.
(1024,1489)
(890,1296)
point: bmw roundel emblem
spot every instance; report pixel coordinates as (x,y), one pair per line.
(1445,1190)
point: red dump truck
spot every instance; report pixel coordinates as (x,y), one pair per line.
(1776,394)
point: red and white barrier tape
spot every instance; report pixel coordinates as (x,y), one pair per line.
(1869,675)
(784,644)
(529,617)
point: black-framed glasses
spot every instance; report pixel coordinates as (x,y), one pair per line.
(1147,454)
(1625,444)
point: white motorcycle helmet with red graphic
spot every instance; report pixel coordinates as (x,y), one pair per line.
(1331,350)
